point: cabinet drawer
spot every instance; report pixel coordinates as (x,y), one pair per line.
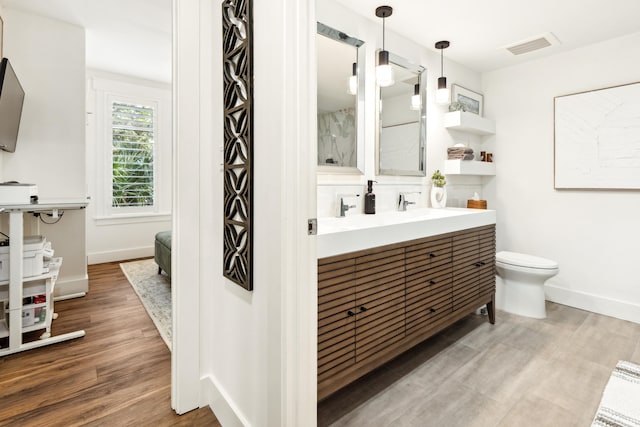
(427,293)
(420,317)
(424,282)
(429,256)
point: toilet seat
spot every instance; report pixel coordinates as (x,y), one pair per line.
(525,261)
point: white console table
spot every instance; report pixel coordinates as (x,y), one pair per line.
(16,280)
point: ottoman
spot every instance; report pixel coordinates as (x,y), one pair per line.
(163,252)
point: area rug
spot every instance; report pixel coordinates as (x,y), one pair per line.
(154,291)
(620,404)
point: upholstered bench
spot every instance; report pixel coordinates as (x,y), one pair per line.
(163,252)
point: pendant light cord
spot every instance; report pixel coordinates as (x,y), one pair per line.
(441,61)
(383,31)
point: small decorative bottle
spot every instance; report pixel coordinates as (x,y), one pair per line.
(370,199)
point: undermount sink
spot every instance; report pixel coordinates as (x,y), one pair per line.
(357,232)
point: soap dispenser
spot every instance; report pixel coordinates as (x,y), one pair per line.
(370,199)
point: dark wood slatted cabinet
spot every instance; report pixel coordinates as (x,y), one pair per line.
(377,303)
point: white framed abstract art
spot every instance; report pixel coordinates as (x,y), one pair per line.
(597,139)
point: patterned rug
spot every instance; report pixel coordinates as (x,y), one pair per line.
(620,404)
(154,290)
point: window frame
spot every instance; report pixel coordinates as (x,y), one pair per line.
(106,92)
(154,208)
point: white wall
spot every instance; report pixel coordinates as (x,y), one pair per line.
(49,59)
(593,235)
(116,239)
(438,138)
(247,344)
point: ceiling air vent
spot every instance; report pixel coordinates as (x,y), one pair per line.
(532,44)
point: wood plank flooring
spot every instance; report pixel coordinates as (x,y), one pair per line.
(119,374)
(519,372)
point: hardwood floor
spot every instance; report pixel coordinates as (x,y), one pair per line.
(119,374)
(519,372)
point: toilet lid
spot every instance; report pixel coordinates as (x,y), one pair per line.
(523,260)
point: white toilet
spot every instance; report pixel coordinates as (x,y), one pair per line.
(520,283)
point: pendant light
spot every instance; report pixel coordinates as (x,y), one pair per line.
(384,73)
(442,94)
(416,102)
(353,80)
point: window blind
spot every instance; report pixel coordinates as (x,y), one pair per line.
(133,155)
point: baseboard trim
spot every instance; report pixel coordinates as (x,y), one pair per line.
(120,255)
(71,286)
(221,404)
(594,303)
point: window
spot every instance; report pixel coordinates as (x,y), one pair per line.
(132,155)
(131,151)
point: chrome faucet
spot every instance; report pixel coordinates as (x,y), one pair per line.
(403,202)
(344,207)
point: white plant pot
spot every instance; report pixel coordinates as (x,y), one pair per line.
(438,197)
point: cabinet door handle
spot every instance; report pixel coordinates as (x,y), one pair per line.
(432,282)
(363,308)
(351,313)
(478,264)
(432,310)
(432,255)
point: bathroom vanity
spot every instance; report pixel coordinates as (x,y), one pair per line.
(388,282)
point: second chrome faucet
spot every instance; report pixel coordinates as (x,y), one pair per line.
(403,202)
(343,204)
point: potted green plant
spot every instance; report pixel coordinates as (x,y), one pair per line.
(438,179)
(438,191)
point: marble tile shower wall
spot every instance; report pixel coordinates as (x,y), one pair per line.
(387,196)
(336,138)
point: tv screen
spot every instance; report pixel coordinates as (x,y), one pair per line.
(11,100)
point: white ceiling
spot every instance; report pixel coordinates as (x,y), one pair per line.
(134,36)
(479,30)
(130,37)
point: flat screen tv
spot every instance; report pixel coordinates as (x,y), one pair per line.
(11,100)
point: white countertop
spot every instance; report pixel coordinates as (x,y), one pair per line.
(357,232)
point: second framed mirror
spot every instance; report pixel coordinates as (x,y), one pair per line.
(402,121)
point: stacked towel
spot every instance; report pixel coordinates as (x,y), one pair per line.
(456,153)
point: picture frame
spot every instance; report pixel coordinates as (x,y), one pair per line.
(473,102)
(595,139)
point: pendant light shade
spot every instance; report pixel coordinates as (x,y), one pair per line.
(416,102)
(384,72)
(353,80)
(442,94)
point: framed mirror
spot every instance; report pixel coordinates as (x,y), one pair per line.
(340,60)
(401,130)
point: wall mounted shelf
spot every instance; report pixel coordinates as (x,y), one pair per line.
(469,167)
(469,122)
